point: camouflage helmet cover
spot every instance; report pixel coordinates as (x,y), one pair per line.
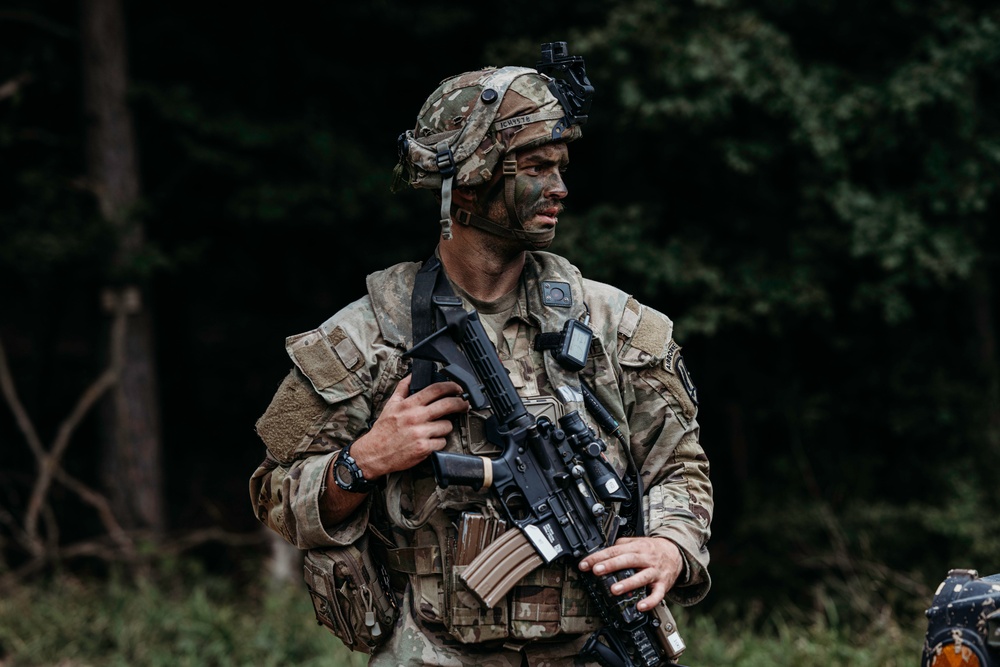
(481,116)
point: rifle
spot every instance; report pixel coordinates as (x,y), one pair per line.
(553,482)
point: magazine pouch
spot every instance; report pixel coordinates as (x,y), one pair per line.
(351,594)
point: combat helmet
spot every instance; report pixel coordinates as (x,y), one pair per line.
(476,121)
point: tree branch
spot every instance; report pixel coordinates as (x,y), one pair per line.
(20,414)
(106,549)
(49,462)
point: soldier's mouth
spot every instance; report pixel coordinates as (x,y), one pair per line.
(548,217)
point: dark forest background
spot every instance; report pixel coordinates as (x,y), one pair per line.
(809,189)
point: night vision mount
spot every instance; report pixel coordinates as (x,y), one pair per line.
(569,84)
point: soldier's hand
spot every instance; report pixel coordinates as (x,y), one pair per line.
(409,429)
(656,560)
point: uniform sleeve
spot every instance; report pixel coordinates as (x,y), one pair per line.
(664,439)
(323,404)
(303,436)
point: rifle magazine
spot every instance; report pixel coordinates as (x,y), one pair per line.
(492,573)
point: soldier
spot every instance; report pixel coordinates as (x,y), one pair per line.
(350,430)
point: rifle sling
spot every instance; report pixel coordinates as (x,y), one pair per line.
(430,281)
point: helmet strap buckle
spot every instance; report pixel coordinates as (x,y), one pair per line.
(509,172)
(445,161)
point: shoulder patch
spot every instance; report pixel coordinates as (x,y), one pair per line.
(345,348)
(673,363)
(652,333)
(679,386)
(671,357)
(682,373)
(292,417)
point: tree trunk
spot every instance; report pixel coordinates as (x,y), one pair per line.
(131,461)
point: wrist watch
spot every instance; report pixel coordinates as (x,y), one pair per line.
(348,475)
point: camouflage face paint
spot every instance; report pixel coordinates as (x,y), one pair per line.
(539,187)
(536,197)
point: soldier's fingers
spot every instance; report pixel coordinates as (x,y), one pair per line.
(435,391)
(402,389)
(438,428)
(622,560)
(637,580)
(591,561)
(438,443)
(622,546)
(656,593)
(446,406)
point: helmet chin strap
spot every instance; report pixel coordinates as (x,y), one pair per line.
(537,238)
(445,160)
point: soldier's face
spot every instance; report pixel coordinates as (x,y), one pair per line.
(538,188)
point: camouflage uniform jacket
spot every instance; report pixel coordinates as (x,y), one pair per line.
(345,370)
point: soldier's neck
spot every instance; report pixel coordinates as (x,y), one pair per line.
(483,273)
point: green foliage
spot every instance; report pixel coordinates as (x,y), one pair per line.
(187,618)
(194,620)
(807,188)
(787,155)
(738,637)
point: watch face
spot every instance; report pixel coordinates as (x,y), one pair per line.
(343,474)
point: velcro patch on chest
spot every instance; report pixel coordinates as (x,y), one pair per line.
(556,294)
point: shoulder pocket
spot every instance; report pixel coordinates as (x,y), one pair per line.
(329,360)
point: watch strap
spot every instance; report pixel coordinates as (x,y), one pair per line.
(346,462)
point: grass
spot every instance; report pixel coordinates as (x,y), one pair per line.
(192,619)
(199,621)
(711,641)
